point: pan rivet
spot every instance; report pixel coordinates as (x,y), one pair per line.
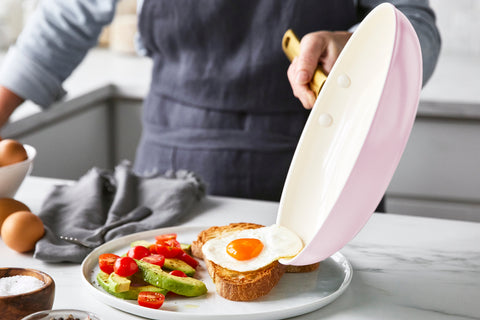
(325,120)
(343,81)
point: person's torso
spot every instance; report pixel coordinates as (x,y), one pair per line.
(220,103)
(227,55)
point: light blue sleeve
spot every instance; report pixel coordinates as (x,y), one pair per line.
(51,46)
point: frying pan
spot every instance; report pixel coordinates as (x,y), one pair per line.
(354,137)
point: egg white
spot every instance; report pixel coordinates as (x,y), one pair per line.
(279,242)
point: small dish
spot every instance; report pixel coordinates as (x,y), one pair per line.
(12,176)
(16,306)
(62,314)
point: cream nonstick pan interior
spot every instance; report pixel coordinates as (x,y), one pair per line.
(355,135)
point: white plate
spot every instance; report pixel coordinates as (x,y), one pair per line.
(294,295)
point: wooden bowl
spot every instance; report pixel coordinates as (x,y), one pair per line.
(15,307)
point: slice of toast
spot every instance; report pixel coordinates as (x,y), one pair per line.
(241,286)
(302,269)
(235,285)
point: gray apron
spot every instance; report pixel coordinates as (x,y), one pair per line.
(220,103)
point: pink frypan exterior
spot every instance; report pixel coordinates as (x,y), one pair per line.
(379,155)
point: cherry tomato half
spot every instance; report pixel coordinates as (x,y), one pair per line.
(178,273)
(138,252)
(156,259)
(125,266)
(150,299)
(163,237)
(185,257)
(166,250)
(106,262)
(172,243)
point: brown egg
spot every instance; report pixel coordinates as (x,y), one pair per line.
(9,206)
(21,231)
(11,151)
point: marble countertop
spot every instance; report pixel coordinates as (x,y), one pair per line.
(405,267)
(452,91)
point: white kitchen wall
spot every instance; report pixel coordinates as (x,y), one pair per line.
(459,24)
(458,21)
(15,13)
(11,21)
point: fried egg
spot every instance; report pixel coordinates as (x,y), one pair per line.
(252,249)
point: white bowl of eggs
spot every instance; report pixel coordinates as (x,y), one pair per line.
(16,161)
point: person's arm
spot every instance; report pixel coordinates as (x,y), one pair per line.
(8,102)
(53,43)
(324,47)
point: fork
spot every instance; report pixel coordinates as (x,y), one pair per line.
(137,214)
(83,243)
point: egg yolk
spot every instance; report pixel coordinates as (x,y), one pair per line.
(244,248)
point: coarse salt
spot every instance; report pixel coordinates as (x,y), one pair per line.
(19,284)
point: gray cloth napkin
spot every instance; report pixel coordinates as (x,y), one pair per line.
(104,204)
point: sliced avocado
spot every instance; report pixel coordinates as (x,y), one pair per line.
(176,264)
(186,247)
(117,283)
(185,286)
(131,294)
(142,243)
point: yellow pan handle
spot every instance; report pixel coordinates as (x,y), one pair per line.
(291,47)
